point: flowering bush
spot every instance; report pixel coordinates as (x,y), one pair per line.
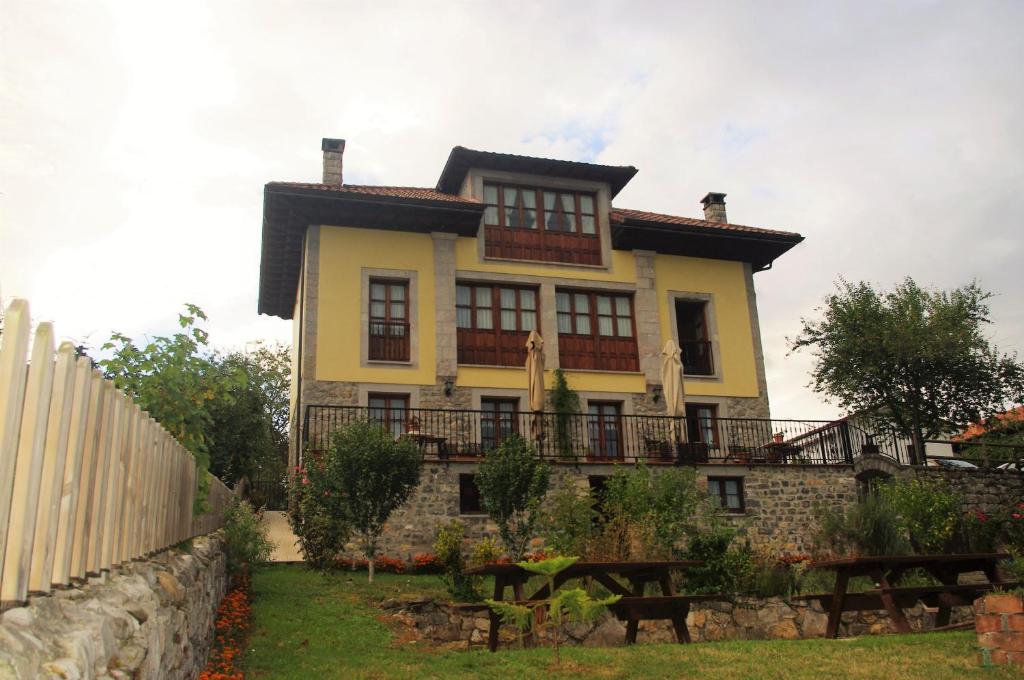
(389,564)
(1000,529)
(231,629)
(426,563)
(316,515)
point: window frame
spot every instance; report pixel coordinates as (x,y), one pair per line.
(704,342)
(711,426)
(604,348)
(723,495)
(468,480)
(498,419)
(598,422)
(509,345)
(541,212)
(377,351)
(388,421)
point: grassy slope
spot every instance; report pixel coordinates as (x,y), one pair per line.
(313,626)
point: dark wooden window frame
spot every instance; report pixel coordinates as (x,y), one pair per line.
(503,426)
(387,346)
(597,421)
(723,496)
(600,347)
(509,346)
(388,407)
(704,340)
(696,420)
(540,242)
(469,495)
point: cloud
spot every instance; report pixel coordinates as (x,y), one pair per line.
(135,139)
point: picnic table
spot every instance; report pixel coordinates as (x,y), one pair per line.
(886,572)
(633,607)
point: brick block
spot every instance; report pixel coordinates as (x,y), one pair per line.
(998,657)
(1015,622)
(990,640)
(1003,604)
(1012,642)
(988,623)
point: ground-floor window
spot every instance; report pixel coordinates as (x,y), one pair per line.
(727,492)
(469,495)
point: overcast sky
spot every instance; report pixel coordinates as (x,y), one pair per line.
(136,137)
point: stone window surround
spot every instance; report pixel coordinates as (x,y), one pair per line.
(366,389)
(473,187)
(411,276)
(711,319)
(546,304)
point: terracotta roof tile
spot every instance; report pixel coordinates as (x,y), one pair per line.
(622,215)
(418,193)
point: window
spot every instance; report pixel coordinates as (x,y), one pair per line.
(604,426)
(728,491)
(692,327)
(469,495)
(595,331)
(499,419)
(390,410)
(702,424)
(531,223)
(389,321)
(493,323)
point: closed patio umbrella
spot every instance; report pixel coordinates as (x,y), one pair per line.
(672,384)
(535,380)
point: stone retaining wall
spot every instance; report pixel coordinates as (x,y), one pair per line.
(744,618)
(148,619)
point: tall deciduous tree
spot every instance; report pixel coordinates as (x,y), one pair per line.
(248,433)
(912,361)
(375,475)
(513,481)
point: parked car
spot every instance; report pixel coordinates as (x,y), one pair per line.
(952,463)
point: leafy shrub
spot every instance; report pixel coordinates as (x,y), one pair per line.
(245,536)
(651,513)
(568,522)
(392,565)
(448,547)
(869,527)
(930,513)
(726,569)
(486,551)
(513,481)
(566,402)
(316,515)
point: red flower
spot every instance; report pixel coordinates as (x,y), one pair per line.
(1016,515)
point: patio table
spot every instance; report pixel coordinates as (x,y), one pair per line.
(633,607)
(886,572)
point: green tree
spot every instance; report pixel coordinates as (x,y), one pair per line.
(317,513)
(248,433)
(566,403)
(374,475)
(173,378)
(911,361)
(512,481)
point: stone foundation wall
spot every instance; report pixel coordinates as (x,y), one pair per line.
(149,619)
(745,618)
(780,500)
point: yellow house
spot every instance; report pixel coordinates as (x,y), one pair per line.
(412,306)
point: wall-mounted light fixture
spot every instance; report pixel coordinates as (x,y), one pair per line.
(448,387)
(656,393)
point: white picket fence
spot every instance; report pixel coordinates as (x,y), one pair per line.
(88,480)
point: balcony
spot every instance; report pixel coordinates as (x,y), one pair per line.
(389,341)
(463,435)
(697,358)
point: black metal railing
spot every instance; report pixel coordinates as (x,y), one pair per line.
(447,434)
(389,340)
(697,357)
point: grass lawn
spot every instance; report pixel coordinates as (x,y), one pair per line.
(312,626)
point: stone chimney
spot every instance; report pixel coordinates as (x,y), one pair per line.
(714,206)
(333,150)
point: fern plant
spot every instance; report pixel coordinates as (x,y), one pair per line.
(570,605)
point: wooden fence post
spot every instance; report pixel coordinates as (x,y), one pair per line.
(87,482)
(58,430)
(69,505)
(12,395)
(99,495)
(28,469)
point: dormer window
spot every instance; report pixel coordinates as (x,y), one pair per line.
(550,225)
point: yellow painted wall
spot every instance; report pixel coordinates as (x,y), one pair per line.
(344,252)
(725,280)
